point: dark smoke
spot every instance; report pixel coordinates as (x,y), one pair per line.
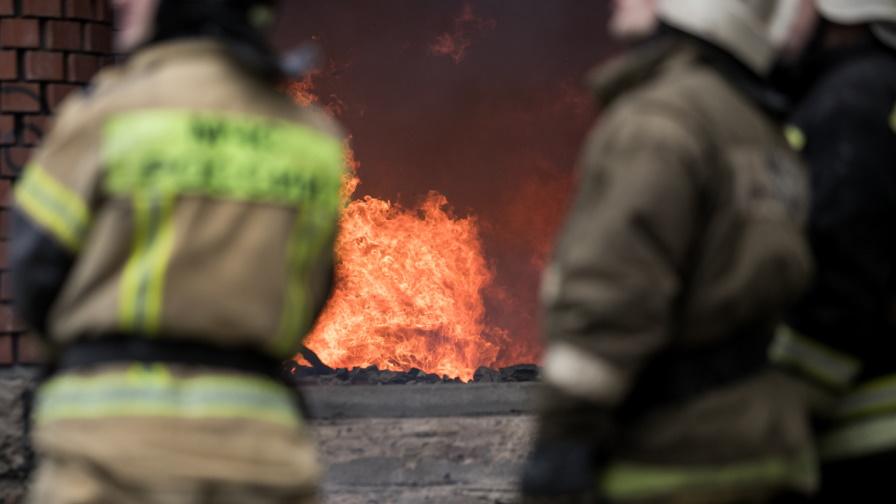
(480,100)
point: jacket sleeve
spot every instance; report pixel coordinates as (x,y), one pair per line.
(51,215)
(39,266)
(616,271)
(850,148)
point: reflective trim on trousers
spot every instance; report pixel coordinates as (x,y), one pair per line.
(821,363)
(859,438)
(152,391)
(628,481)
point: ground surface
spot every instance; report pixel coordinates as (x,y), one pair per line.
(391,444)
(406,444)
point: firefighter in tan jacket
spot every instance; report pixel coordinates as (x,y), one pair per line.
(173,241)
(683,248)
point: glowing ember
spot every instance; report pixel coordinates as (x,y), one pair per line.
(456,43)
(408,287)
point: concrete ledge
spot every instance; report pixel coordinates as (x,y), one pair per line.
(420,401)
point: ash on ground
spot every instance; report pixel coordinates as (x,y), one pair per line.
(323,375)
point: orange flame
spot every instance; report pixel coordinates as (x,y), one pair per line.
(456,43)
(409,286)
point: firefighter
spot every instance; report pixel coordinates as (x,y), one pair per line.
(173,242)
(684,248)
(842,335)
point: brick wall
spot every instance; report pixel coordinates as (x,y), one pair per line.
(47,49)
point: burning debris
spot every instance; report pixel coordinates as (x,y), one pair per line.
(456,43)
(409,287)
(372,375)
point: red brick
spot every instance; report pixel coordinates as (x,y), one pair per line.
(19,33)
(7,129)
(97,38)
(11,164)
(20,97)
(7,8)
(9,65)
(43,8)
(9,322)
(81,67)
(31,349)
(43,65)
(80,9)
(6,356)
(104,11)
(34,127)
(63,35)
(4,225)
(57,92)
(5,287)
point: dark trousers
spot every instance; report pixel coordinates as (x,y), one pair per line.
(865,480)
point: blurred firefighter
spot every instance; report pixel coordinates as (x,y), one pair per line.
(842,335)
(173,241)
(683,250)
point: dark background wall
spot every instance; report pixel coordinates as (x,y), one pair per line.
(480,100)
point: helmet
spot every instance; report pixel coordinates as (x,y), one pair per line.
(886,33)
(880,13)
(239,24)
(753,31)
(857,11)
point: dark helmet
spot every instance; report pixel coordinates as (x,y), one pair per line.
(238,23)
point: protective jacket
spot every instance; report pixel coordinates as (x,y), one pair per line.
(842,334)
(179,203)
(683,249)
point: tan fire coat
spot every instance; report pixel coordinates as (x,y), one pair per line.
(686,233)
(198,204)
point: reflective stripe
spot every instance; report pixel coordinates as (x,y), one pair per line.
(157,155)
(153,392)
(624,481)
(857,439)
(143,279)
(875,397)
(795,137)
(312,236)
(53,206)
(224,156)
(824,364)
(893,119)
(580,374)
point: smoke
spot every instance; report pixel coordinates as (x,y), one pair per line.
(479,100)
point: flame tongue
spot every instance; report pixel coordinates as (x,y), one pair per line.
(409,284)
(408,291)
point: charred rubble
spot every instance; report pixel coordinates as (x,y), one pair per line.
(319,373)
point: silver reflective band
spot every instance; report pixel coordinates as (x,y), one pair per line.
(878,396)
(580,374)
(864,438)
(814,359)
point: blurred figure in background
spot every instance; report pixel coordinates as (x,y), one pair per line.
(683,250)
(173,241)
(842,335)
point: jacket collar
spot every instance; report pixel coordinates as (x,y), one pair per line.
(153,55)
(673,51)
(611,80)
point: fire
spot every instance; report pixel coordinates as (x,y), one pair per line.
(409,286)
(454,44)
(409,291)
